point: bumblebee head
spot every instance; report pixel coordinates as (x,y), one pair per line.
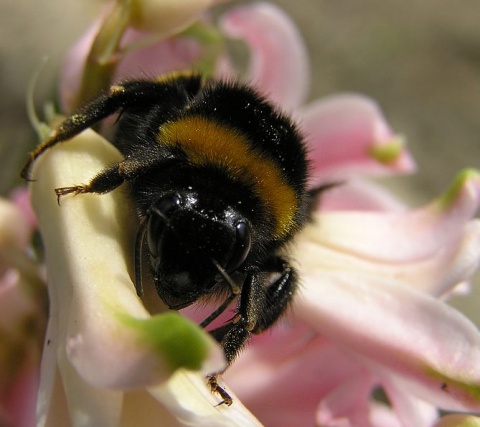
(190,238)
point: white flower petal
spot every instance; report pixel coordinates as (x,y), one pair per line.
(434,348)
(88,405)
(106,332)
(187,396)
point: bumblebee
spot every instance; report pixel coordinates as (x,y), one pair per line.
(218,177)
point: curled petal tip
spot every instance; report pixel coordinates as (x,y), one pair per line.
(458,420)
(393,154)
(389,151)
(279,65)
(466,184)
(461,389)
(348,134)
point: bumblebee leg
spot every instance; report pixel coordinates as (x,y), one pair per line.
(233,336)
(106,181)
(220,309)
(212,381)
(113,176)
(277,298)
(259,308)
(119,97)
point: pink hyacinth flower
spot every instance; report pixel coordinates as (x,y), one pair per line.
(370,316)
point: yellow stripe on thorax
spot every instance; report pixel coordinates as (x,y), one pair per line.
(175,75)
(206,142)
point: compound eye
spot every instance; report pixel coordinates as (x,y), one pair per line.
(243,243)
(159,217)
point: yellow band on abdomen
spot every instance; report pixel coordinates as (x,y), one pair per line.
(207,142)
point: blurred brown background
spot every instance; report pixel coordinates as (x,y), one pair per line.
(420,60)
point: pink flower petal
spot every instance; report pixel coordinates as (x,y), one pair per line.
(20,196)
(295,371)
(151,61)
(19,404)
(17,306)
(432,249)
(360,195)
(348,404)
(15,228)
(411,410)
(21,331)
(438,274)
(351,404)
(380,320)
(73,67)
(347,134)
(383,416)
(165,56)
(399,237)
(279,64)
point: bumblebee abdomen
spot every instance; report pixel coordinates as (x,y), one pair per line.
(266,129)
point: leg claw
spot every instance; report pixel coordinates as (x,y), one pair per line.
(215,388)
